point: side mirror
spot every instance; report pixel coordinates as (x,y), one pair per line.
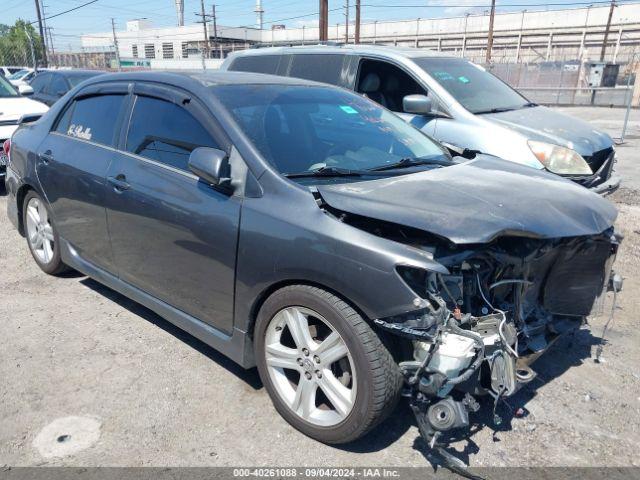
(417,104)
(25,90)
(211,165)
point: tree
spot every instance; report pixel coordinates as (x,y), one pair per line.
(14,44)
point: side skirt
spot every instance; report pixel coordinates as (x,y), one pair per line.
(237,346)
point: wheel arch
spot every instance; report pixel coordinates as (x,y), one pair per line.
(22,192)
(271,289)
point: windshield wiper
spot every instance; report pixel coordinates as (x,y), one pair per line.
(326,172)
(412,162)
(496,110)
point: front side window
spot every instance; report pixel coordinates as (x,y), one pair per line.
(302,128)
(92,118)
(165,132)
(471,85)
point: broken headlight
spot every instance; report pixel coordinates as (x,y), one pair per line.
(560,160)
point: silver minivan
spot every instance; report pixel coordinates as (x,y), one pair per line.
(452,100)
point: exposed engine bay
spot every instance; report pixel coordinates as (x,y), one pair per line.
(500,307)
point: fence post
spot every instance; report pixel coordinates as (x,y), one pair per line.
(630,97)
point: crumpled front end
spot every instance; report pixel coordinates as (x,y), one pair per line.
(500,307)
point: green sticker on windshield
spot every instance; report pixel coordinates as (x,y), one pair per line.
(464,79)
(348,109)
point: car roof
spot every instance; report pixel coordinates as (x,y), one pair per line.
(77,72)
(390,51)
(203,78)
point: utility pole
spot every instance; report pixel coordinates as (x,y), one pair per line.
(204,29)
(606,31)
(115,42)
(346,22)
(324,20)
(215,26)
(490,37)
(44,47)
(53,52)
(356,38)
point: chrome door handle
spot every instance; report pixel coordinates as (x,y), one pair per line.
(119,183)
(46,156)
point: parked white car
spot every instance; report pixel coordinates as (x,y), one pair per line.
(13,106)
(22,77)
(7,70)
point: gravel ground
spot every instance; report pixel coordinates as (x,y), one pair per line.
(132,390)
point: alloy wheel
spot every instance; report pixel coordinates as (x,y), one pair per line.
(310,366)
(40,231)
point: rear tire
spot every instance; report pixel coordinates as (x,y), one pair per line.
(42,236)
(334,395)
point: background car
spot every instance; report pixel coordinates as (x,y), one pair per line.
(51,85)
(307,230)
(453,100)
(13,106)
(9,70)
(22,76)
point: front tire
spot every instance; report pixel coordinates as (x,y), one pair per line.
(326,371)
(42,236)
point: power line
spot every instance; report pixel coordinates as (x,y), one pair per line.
(66,11)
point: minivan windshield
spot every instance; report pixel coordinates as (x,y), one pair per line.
(6,89)
(302,129)
(471,85)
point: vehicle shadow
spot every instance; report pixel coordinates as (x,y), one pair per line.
(570,350)
(250,377)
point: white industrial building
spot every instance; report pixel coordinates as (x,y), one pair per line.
(529,36)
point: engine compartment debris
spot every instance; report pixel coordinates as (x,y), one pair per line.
(501,307)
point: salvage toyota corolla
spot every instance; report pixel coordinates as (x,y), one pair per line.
(309,231)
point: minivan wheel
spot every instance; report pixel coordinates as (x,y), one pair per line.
(326,371)
(41,234)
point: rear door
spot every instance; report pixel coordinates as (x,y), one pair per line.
(72,165)
(173,236)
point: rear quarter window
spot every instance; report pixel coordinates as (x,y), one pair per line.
(256,64)
(320,68)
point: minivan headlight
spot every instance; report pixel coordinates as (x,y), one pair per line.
(561,160)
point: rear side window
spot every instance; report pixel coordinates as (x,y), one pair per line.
(58,85)
(165,132)
(256,64)
(40,82)
(92,118)
(320,68)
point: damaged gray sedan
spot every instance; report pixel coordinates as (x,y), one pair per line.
(309,231)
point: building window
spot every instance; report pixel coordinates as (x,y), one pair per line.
(167,50)
(149,50)
(185,49)
(134,51)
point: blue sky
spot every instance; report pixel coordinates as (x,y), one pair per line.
(97,16)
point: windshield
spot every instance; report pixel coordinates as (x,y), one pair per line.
(18,75)
(301,128)
(471,85)
(6,89)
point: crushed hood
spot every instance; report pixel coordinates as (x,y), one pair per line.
(477,201)
(546,125)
